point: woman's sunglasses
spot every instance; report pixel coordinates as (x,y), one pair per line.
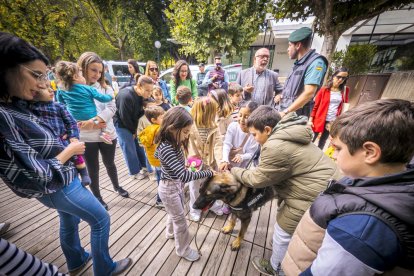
(154,69)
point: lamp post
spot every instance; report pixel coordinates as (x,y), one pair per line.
(157,45)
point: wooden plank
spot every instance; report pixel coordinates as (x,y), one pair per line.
(257,251)
(216,256)
(262,225)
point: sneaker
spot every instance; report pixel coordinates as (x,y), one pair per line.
(263,266)
(122,192)
(152,177)
(159,204)
(103,203)
(217,211)
(4,226)
(121,266)
(169,236)
(195,217)
(192,256)
(226,209)
(141,175)
(106,138)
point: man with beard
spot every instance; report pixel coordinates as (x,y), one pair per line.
(259,83)
(217,78)
(306,77)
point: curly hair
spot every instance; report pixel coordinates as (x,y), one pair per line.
(176,71)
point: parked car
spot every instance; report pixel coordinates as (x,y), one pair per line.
(232,70)
(120,70)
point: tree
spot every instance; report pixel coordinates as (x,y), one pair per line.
(333,17)
(206,28)
(357,58)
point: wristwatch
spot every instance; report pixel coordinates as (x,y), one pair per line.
(95,121)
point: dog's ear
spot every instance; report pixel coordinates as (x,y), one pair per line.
(216,188)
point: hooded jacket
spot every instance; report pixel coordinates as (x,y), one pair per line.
(296,167)
(146,137)
(357,227)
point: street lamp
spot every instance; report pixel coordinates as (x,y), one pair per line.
(157,45)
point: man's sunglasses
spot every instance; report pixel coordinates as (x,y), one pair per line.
(154,69)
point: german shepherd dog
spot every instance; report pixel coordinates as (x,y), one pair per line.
(241,199)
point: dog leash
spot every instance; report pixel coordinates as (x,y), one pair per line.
(198,226)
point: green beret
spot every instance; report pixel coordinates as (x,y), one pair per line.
(300,34)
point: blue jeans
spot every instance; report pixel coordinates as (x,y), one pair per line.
(143,160)
(73,203)
(158,175)
(129,149)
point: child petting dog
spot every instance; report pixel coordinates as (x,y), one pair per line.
(297,168)
(239,145)
(363,223)
(172,140)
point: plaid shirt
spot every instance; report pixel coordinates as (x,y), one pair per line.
(28,150)
(57,117)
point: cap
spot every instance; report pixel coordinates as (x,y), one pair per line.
(201,64)
(300,34)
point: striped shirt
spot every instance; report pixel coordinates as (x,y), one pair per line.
(28,150)
(14,261)
(173,165)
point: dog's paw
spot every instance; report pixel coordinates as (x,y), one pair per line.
(235,245)
(227,229)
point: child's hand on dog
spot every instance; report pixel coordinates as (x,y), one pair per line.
(224,166)
(214,172)
(237,159)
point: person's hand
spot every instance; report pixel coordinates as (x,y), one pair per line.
(310,123)
(214,172)
(328,126)
(73,139)
(277,98)
(248,88)
(237,159)
(224,166)
(282,114)
(76,148)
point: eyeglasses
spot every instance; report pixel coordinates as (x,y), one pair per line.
(154,69)
(38,76)
(263,56)
(341,77)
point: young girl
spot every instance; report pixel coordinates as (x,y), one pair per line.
(79,97)
(172,140)
(206,144)
(239,145)
(159,98)
(224,110)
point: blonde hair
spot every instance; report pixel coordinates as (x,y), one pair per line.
(204,112)
(149,63)
(225,107)
(87,59)
(66,71)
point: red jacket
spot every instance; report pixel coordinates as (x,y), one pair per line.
(320,109)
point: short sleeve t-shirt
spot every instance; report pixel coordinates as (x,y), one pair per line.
(315,72)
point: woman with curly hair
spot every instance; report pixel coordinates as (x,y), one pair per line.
(182,76)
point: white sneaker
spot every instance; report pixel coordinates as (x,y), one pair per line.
(195,217)
(192,256)
(141,175)
(169,236)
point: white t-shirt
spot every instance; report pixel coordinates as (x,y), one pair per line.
(336,98)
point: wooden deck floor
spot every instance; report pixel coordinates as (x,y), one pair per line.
(137,231)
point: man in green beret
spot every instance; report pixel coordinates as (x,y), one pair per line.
(306,77)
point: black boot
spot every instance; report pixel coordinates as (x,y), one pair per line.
(102,202)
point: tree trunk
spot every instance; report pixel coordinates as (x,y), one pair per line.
(329,45)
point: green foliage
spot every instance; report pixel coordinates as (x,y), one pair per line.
(333,17)
(205,28)
(357,58)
